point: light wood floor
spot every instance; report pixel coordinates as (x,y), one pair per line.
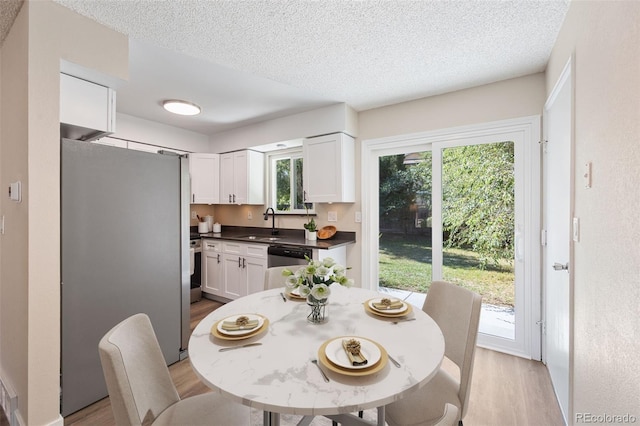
(505,390)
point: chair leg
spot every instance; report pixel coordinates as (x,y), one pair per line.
(460,423)
(334,423)
(360,413)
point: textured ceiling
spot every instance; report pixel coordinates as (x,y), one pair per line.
(8,11)
(304,54)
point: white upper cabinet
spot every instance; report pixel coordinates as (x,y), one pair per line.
(204,170)
(87,110)
(328,169)
(242,177)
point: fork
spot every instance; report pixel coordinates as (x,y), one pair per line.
(403,320)
(324,376)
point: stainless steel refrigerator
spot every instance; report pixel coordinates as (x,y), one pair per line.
(125,249)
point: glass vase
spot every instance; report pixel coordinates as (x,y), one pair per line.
(319,313)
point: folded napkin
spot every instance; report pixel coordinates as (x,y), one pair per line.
(241,323)
(388,304)
(352,348)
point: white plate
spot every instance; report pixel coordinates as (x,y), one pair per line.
(233,318)
(337,355)
(387,311)
(296,293)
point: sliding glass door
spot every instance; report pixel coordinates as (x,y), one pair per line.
(458,209)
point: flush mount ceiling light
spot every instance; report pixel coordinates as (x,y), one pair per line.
(181,107)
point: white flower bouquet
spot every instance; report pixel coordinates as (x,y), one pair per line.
(315,278)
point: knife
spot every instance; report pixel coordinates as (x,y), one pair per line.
(238,347)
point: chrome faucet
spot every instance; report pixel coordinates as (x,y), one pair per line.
(274,231)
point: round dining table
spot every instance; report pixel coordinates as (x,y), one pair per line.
(277,375)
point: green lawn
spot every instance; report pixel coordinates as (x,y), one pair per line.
(405,264)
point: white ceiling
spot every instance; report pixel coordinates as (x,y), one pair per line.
(247,61)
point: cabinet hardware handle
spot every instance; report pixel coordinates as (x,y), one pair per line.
(234,198)
(229,198)
(193,198)
(218,257)
(244,263)
(239,262)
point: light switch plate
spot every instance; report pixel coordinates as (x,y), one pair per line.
(15,191)
(576,229)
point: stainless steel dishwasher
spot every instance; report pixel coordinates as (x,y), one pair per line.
(281,255)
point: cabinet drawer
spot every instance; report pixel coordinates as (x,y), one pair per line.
(211,245)
(233,248)
(257,251)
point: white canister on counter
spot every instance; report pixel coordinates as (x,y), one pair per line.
(217,228)
(203,227)
(209,220)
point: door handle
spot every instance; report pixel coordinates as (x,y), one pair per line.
(560,267)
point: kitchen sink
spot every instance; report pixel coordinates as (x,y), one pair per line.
(255,237)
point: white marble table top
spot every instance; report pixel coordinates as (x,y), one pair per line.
(278,375)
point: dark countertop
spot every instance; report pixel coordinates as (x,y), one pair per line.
(289,237)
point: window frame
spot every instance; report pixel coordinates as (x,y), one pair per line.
(272,157)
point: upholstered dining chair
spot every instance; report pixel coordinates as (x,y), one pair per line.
(140,387)
(456,310)
(273,276)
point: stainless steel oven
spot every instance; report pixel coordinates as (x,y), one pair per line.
(196,276)
(280,255)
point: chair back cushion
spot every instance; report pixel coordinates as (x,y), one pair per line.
(273,276)
(136,373)
(456,310)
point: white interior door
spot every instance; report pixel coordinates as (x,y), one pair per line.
(557,208)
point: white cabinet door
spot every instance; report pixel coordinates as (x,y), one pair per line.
(212,268)
(235,283)
(328,170)
(244,266)
(255,269)
(242,177)
(205,174)
(227,178)
(87,105)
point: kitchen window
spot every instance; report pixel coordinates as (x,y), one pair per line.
(286,193)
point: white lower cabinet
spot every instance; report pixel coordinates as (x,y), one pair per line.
(212,267)
(241,270)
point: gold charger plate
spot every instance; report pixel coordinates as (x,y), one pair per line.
(387,315)
(216,333)
(322,357)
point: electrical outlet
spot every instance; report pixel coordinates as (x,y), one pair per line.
(332,217)
(358,217)
(249,215)
(194,215)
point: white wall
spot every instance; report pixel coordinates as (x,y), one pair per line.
(140,130)
(42,35)
(321,121)
(605,37)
